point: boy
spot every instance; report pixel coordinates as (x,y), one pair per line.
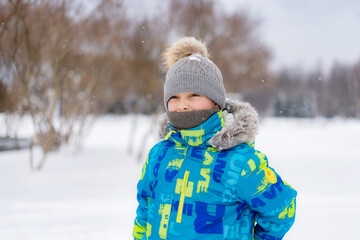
(205,180)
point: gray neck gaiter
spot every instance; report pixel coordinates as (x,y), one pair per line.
(187,120)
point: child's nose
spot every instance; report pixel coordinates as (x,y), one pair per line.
(183,107)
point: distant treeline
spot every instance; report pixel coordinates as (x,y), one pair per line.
(294,92)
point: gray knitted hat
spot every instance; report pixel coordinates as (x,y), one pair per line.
(190,70)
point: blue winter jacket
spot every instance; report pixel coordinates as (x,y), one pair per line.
(209,182)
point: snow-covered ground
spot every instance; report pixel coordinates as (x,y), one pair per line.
(92,194)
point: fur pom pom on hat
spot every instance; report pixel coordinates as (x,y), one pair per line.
(184,47)
(191,70)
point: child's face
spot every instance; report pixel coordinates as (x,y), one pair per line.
(190,101)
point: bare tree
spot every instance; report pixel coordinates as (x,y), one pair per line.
(46,53)
(342,92)
(355,78)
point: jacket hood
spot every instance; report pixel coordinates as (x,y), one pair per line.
(240,125)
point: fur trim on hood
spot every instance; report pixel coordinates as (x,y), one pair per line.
(240,126)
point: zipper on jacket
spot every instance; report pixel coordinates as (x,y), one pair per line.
(182,197)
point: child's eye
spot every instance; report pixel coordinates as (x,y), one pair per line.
(173,97)
(195,95)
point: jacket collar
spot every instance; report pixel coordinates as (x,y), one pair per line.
(198,135)
(237,124)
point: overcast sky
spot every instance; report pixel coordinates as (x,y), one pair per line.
(307,33)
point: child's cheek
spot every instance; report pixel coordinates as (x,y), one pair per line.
(171,106)
(203,105)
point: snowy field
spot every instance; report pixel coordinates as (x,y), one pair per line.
(92,194)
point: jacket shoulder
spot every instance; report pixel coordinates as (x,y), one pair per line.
(158,148)
(249,159)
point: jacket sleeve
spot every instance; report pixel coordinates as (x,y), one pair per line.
(271,199)
(143,194)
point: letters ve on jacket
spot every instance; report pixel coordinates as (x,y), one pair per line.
(209,182)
